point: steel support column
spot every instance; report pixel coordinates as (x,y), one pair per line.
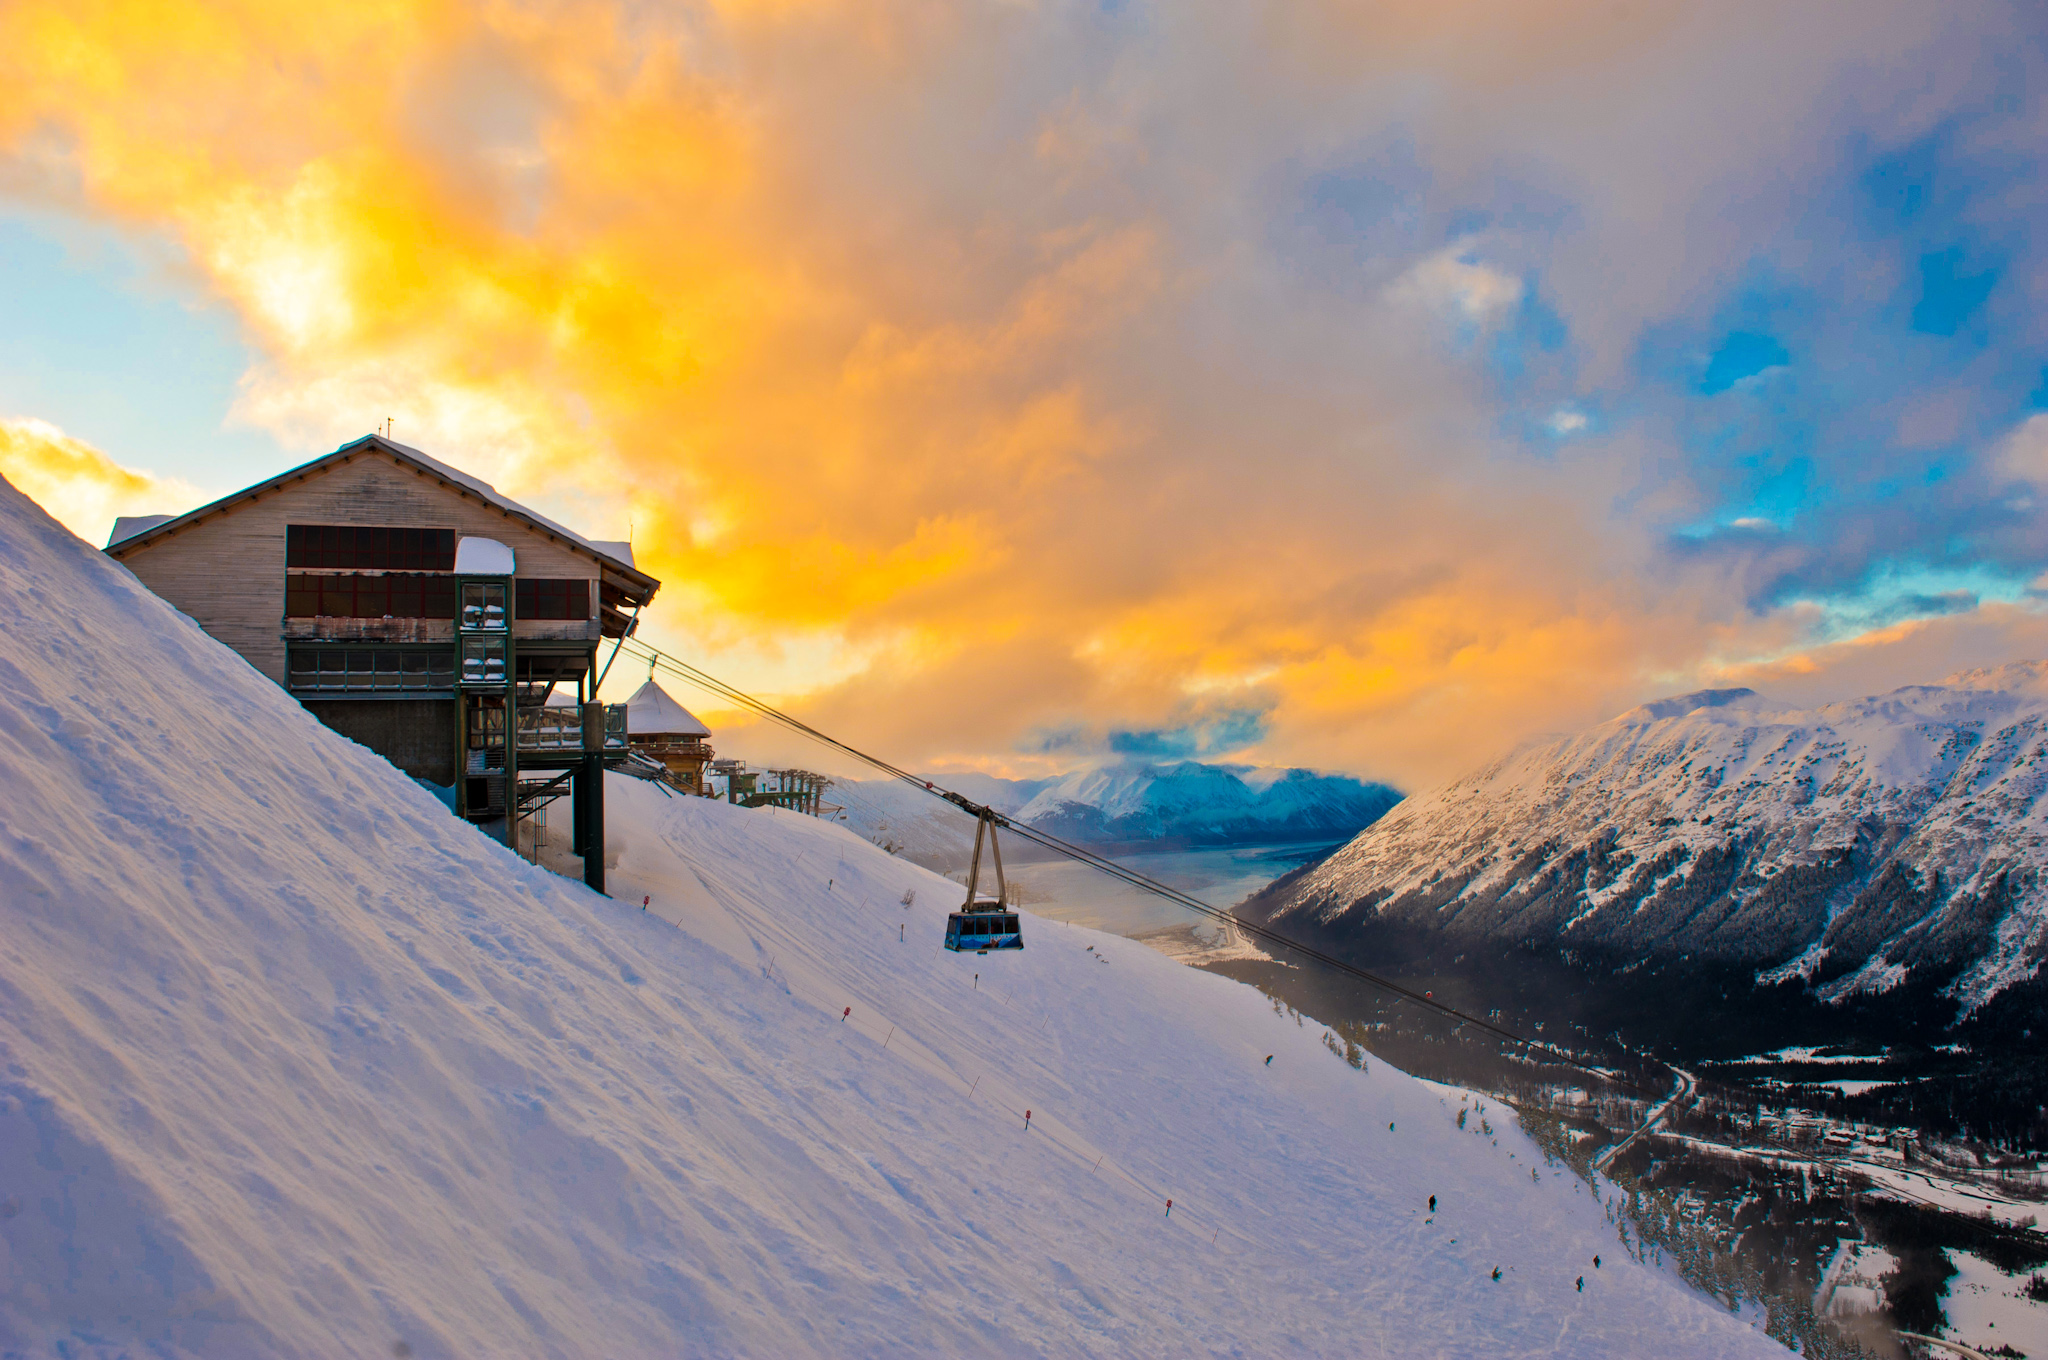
(590,796)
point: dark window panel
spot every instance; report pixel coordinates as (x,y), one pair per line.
(542,598)
(347,547)
(359,670)
(401,595)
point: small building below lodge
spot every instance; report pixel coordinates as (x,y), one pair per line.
(663,730)
(413,608)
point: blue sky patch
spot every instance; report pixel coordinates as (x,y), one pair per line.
(1950,293)
(1744,354)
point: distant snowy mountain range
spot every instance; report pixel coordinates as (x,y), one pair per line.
(1184,803)
(1888,843)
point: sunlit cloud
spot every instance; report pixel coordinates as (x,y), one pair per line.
(1454,282)
(978,382)
(82,488)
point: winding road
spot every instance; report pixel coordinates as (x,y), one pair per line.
(1682,1091)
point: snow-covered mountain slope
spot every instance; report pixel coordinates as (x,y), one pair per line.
(1183,803)
(293,1063)
(1206,804)
(1858,845)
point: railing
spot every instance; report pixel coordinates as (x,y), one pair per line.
(561,729)
(685,748)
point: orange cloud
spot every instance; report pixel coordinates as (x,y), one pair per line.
(954,397)
(82,488)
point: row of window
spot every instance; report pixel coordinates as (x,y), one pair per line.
(357,669)
(407,595)
(399,596)
(988,925)
(353,547)
(362,670)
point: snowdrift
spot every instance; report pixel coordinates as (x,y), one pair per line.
(292,1063)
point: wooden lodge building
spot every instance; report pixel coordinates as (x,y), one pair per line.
(413,608)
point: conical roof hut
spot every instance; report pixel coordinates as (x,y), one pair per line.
(653,712)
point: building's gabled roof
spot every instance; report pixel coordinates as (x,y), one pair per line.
(650,712)
(128,526)
(621,584)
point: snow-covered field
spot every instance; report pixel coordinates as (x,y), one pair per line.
(293,1063)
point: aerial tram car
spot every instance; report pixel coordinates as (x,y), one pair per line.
(984,923)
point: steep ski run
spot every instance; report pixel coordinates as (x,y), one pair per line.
(1861,846)
(292,1063)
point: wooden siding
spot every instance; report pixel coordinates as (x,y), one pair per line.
(227,570)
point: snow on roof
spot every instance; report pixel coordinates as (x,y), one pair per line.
(613,547)
(610,551)
(652,711)
(128,526)
(483,557)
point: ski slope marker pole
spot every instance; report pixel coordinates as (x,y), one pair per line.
(892,1034)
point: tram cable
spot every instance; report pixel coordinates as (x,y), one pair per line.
(657,659)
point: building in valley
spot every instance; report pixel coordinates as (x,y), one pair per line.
(413,608)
